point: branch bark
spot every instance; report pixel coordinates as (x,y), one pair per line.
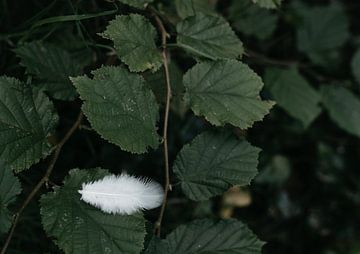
(167,187)
(43,180)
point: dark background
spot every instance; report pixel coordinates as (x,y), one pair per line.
(307,196)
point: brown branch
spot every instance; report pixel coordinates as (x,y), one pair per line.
(43,180)
(167,187)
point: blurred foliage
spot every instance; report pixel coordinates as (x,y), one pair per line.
(306,198)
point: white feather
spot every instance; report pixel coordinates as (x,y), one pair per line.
(122,194)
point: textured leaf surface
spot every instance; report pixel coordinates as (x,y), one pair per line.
(208,36)
(212,163)
(212,237)
(120,107)
(269,4)
(343,107)
(226,92)
(52,66)
(293,93)
(322,29)
(187,8)
(141,4)
(27,118)
(355,66)
(251,19)
(9,188)
(83,229)
(134,41)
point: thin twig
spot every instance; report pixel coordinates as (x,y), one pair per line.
(167,187)
(43,180)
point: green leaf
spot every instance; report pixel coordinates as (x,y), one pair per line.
(250,19)
(52,66)
(213,162)
(134,41)
(120,107)
(27,118)
(212,237)
(322,30)
(157,82)
(293,93)
(343,107)
(208,36)
(140,4)
(187,8)
(82,229)
(226,92)
(355,66)
(269,4)
(9,188)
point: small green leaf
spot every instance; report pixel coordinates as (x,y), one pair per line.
(343,107)
(322,30)
(208,36)
(134,41)
(355,66)
(213,237)
(27,118)
(269,4)
(9,188)
(140,4)
(52,66)
(212,163)
(187,8)
(293,93)
(226,91)
(82,229)
(250,19)
(120,107)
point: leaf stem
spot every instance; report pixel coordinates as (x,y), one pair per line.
(167,187)
(43,180)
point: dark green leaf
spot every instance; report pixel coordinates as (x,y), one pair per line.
(134,41)
(82,229)
(9,188)
(355,66)
(226,92)
(120,107)
(141,4)
(250,19)
(343,107)
(212,163)
(187,8)
(52,66)
(27,118)
(322,30)
(269,4)
(157,82)
(212,237)
(208,36)
(292,92)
